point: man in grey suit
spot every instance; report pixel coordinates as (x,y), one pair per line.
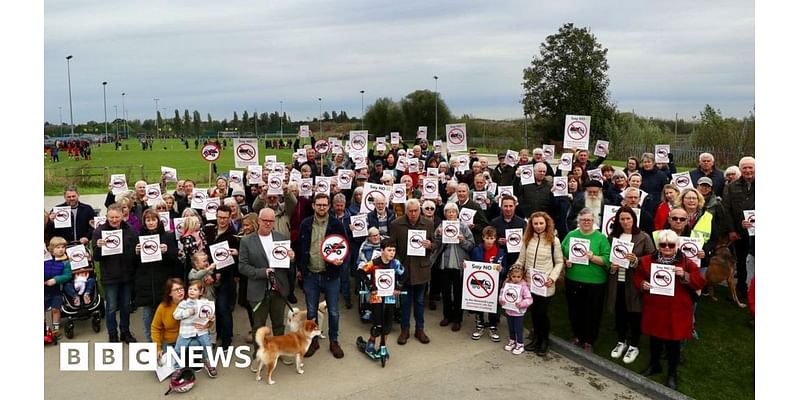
(254,263)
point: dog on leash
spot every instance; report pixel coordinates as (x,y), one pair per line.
(295,318)
(722,267)
(291,344)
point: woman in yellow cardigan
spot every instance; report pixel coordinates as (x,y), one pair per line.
(164,328)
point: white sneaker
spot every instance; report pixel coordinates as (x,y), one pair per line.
(519,348)
(619,350)
(631,355)
(510,345)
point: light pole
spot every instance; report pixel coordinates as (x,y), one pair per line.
(116,124)
(156,100)
(255,121)
(320,115)
(60,123)
(124,116)
(105,111)
(436,106)
(362,110)
(281,119)
(69,87)
(525,119)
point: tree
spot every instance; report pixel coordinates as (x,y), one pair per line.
(419,109)
(326,116)
(245,119)
(187,121)
(570,76)
(383,116)
(196,122)
(177,122)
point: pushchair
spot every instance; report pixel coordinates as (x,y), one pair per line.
(94,310)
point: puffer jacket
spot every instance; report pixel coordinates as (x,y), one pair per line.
(537,254)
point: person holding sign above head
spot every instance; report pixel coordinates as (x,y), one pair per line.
(114,248)
(456,242)
(543,261)
(150,276)
(586,253)
(628,245)
(666,279)
(319,272)
(81,215)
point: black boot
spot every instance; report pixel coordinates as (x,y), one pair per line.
(534,345)
(672,381)
(544,345)
(652,369)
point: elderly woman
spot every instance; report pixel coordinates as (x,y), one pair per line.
(368,250)
(126,204)
(667,319)
(623,298)
(429,211)
(732,174)
(585,283)
(451,266)
(668,196)
(355,201)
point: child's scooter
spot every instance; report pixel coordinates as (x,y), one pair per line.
(378,353)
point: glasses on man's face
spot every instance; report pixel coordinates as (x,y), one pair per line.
(586,220)
(267,221)
(679,219)
(666,245)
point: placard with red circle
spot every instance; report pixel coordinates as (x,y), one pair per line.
(322,146)
(246,152)
(662,279)
(210,152)
(480,284)
(577,130)
(333,248)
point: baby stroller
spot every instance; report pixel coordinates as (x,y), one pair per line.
(94,310)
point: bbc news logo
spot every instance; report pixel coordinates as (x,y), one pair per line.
(144,356)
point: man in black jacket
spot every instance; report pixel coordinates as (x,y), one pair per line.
(81,216)
(225,300)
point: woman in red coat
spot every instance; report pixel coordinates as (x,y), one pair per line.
(667,319)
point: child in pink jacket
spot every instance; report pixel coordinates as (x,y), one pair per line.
(515,302)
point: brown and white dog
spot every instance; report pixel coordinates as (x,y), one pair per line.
(295,318)
(291,344)
(722,267)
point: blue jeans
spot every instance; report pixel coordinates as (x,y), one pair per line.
(118,297)
(69,289)
(515,328)
(313,285)
(226,299)
(201,340)
(418,293)
(147,319)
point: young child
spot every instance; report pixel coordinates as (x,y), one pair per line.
(204,272)
(489,252)
(516,275)
(193,312)
(57,272)
(82,285)
(381,314)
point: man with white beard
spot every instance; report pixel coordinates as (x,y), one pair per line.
(592,200)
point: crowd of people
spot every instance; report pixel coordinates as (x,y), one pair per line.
(651,212)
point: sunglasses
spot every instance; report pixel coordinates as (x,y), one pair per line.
(666,245)
(430,208)
(679,219)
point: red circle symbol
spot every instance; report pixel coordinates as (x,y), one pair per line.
(513,239)
(511,296)
(682,181)
(456,135)
(358,142)
(451,231)
(118,183)
(245,151)
(322,186)
(113,241)
(662,279)
(430,187)
(560,185)
(662,152)
(275,183)
(620,251)
(416,241)
(321,146)
(566,161)
(690,249)
(333,248)
(280,252)
(153,193)
(538,280)
(527,173)
(579,250)
(384,282)
(77,257)
(211,207)
(577,130)
(62,215)
(480,284)
(359,225)
(221,254)
(370,198)
(150,247)
(210,152)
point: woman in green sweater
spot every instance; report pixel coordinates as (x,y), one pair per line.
(164,328)
(586,283)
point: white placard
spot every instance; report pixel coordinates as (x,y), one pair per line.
(358,143)
(164,217)
(112,242)
(560,186)
(480,287)
(150,249)
(119,184)
(414,244)
(395,137)
(295,176)
(304,131)
(549,151)
(437,146)
(279,168)
(538,283)
(370,191)
(236,177)
(579,251)
(99,220)
(413,165)
(171,174)
(504,190)
(750,215)
(526,174)
(384,281)
(63,217)
(398,193)
(601,148)
(480,197)
(682,180)
(322,184)
(279,254)
(511,293)
(422,132)
(306,187)
(430,188)
(492,188)
(690,247)
(463,163)
(164,367)
(610,214)
(619,252)
(199,196)
(153,193)
(514,240)
(450,232)
(269,161)
(344,178)
(456,137)
(662,153)
(78,257)
(360,160)
(221,254)
(595,174)
(401,164)
(336,146)
(275,184)
(380,146)
(178,222)
(360,227)
(662,279)
(467,215)
(576,131)
(210,207)
(565,162)
(432,171)
(47,255)
(301,156)
(512,158)
(254,174)
(245,152)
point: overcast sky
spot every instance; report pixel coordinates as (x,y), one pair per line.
(223,56)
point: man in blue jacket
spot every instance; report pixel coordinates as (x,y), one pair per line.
(81,215)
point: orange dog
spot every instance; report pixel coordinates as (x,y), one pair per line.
(292,344)
(722,268)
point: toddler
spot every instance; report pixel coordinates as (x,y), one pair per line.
(515,315)
(195,313)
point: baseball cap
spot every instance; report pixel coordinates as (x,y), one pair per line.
(705,181)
